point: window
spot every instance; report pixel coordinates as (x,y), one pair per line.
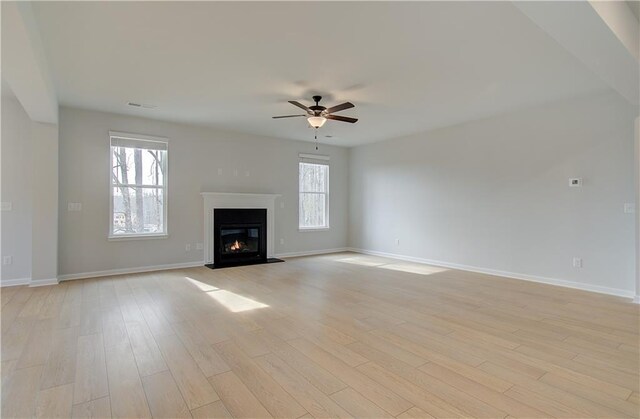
(138,186)
(314,196)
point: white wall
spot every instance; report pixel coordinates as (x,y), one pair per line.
(195,155)
(16,189)
(493,194)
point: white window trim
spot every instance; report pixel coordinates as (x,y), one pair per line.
(315,159)
(165,189)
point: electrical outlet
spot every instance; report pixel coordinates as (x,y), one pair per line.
(247,174)
(6,206)
(282,204)
(74,206)
(281,241)
(397,242)
(7,260)
(577,262)
(219,172)
(199,246)
(629,208)
(187,247)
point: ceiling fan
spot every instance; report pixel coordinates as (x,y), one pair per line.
(317,115)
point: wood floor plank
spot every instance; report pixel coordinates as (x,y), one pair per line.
(60,367)
(272,396)
(125,387)
(114,330)
(38,346)
(18,392)
(414,413)
(192,383)
(146,351)
(94,409)
(164,396)
(384,397)
(212,410)
(202,352)
(16,337)
(357,405)
(91,370)
(624,407)
(574,404)
(55,402)
(237,397)
(319,377)
(311,398)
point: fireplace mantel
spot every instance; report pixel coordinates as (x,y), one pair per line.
(213,200)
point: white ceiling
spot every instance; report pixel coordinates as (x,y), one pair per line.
(408,67)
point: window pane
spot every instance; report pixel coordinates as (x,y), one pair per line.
(138,210)
(313,177)
(134,166)
(313,210)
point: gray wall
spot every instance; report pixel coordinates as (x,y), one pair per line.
(30,185)
(16,189)
(195,155)
(493,194)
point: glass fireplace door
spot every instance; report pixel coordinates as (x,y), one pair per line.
(239,240)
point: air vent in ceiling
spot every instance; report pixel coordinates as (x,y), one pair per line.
(141,105)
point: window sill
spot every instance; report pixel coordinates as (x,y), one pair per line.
(311,230)
(137,237)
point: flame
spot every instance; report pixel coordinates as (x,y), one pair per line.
(235,245)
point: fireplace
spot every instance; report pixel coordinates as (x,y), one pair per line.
(239,236)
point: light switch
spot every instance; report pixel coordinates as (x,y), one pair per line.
(6,206)
(629,208)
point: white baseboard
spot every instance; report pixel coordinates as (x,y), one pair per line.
(142,269)
(312,252)
(43,282)
(551,281)
(15,282)
(636,299)
(125,271)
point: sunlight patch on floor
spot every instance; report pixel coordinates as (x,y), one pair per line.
(363,261)
(375,262)
(413,268)
(203,286)
(235,303)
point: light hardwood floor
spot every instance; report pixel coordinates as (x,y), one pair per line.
(340,335)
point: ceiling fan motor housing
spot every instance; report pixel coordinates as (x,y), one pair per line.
(317,109)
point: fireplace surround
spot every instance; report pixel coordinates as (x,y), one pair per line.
(237,201)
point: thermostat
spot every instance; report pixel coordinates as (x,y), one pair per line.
(575,182)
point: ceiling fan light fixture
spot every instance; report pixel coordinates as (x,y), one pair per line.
(316,121)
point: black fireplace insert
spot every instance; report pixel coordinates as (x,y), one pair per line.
(239,236)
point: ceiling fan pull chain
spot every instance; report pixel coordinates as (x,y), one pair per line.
(316,137)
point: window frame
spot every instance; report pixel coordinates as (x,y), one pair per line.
(164,187)
(323,161)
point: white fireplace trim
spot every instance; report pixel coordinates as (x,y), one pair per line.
(213,200)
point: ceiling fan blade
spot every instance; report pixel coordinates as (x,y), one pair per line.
(299,105)
(342,118)
(341,107)
(286,116)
